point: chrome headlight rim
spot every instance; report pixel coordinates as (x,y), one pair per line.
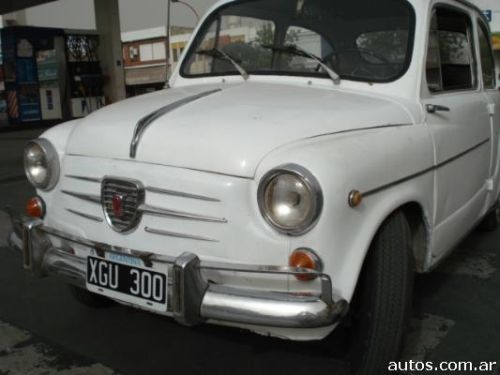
(312,186)
(52,160)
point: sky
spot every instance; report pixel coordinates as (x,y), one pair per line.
(134,14)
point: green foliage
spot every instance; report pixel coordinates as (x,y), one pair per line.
(265,35)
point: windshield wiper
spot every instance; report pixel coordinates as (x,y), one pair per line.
(216,53)
(293,49)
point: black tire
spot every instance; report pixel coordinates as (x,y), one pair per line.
(491,221)
(382,303)
(89,299)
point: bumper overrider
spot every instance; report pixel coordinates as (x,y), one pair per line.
(193,299)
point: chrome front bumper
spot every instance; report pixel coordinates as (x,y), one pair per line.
(193,299)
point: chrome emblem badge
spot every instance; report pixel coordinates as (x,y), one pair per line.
(117,203)
(121,200)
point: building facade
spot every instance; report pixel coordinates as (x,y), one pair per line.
(145,57)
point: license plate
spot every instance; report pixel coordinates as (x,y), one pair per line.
(125,279)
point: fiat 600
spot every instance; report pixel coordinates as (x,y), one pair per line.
(307,158)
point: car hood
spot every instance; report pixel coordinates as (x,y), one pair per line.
(229,130)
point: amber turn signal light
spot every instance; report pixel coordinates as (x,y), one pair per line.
(355,198)
(35,208)
(305,258)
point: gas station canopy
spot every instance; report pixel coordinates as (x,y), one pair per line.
(8,6)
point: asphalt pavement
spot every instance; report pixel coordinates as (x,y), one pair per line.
(44,331)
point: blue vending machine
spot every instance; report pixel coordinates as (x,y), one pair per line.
(20,47)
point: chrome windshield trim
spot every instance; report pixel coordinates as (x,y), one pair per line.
(161,232)
(144,123)
(144,208)
(180,194)
(86,197)
(86,216)
(84,178)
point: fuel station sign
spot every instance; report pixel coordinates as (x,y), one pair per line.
(491,10)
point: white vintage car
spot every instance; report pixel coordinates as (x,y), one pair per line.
(307,159)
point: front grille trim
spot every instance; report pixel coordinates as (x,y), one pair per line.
(134,196)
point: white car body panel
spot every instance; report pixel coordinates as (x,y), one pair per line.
(256,119)
(374,138)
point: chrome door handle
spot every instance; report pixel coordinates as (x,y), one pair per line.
(433,108)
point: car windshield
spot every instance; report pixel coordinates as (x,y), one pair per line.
(361,40)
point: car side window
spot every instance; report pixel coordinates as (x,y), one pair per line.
(451,64)
(487,59)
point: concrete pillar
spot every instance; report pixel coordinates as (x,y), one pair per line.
(107,17)
(15,18)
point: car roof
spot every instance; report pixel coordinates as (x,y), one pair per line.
(466,3)
(474,7)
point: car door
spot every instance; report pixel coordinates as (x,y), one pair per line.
(492,96)
(458,119)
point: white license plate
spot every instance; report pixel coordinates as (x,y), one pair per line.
(127,279)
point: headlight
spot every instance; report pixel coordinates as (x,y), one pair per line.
(290,199)
(41,164)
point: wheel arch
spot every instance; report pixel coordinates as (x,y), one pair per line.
(420,236)
(420,233)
